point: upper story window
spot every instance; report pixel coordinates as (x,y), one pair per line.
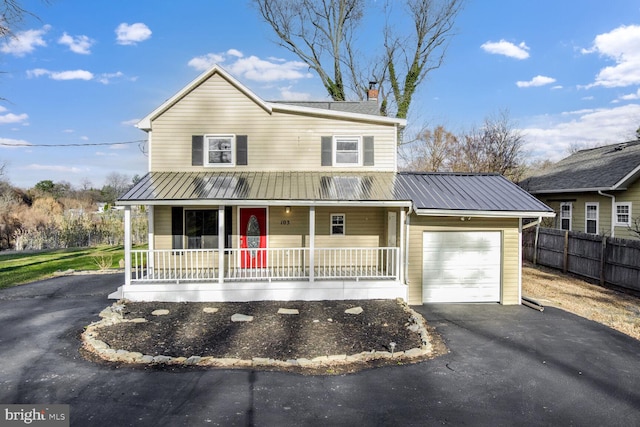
(347,150)
(565,216)
(623,214)
(591,218)
(219,150)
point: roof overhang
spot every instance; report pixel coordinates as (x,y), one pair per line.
(578,190)
(483,214)
(256,203)
(296,109)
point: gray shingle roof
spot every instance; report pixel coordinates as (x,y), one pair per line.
(604,168)
(360,107)
(467,192)
(427,191)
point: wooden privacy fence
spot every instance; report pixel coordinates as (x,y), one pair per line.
(608,260)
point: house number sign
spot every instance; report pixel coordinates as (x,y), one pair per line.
(285,222)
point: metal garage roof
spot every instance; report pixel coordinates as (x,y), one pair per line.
(449,193)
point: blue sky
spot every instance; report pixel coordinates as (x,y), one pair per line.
(84,72)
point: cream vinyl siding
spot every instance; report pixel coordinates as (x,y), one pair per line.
(277,141)
(162,227)
(366,227)
(510,251)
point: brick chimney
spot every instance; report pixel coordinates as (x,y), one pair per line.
(372,94)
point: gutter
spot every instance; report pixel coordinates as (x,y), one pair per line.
(613,210)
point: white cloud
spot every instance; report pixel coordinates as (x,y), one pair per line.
(106,78)
(2,109)
(13,118)
(621,45)
(506,48)
(78,44)
(556,87)
(204,62)
(536,81)
(72,75)
(132,34)
(131,122)
(631,96)
(286,94)
(552,137)
(13,143)
(53,168)
(61,75)
(84,138)
(25,42)
(252,67)
(37,72)
(235,52)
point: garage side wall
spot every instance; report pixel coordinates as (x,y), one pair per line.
(510,290)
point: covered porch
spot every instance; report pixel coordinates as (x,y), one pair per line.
(338,244)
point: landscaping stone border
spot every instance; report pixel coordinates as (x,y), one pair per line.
(113,314)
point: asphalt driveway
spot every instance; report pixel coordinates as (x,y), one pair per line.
(506,366)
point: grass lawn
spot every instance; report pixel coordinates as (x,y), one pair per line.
(18,268)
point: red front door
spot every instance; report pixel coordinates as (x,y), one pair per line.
(253,237)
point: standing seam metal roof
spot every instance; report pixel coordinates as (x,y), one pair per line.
(470,192)
(437,191)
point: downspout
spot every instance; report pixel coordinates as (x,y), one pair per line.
(536,224)
(613,210)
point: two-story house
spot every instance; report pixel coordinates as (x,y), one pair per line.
(257,200)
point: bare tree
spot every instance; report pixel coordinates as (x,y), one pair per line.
(11,13)
(411,58)
(116,184)
(319,32)
(432,150)
(322,33)
(496,147)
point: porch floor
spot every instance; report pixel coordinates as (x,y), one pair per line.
(259,274)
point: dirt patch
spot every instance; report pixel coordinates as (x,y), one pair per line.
(613,308)
(321,329)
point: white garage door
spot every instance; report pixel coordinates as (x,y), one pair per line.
(461,266)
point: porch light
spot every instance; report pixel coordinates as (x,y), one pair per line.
(287,209)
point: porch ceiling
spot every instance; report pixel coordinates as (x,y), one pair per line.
(260,187)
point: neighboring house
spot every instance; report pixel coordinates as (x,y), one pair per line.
(593,191)
(257,200)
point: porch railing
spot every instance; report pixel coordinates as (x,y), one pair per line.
(193,265)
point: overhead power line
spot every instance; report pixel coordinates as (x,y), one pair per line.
(86,144)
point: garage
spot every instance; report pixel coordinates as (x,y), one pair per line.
(461,266)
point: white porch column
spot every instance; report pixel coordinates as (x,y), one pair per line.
(401,252)
(151,239)
(312,241)
(127,245)
(221,238)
